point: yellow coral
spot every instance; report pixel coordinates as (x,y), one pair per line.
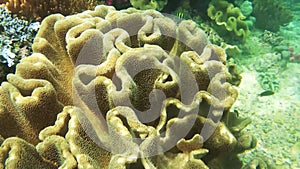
(74,140)
(128,88)
(149,4)
(229,17)
(21,102)
(18,154)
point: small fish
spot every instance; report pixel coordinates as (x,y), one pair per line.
(266,93)
(180,15)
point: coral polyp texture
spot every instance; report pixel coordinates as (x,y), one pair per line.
(38,9)
(120,89)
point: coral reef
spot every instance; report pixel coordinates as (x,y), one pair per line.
(292,55)
(118,4)
(38,9)
(269,62)
(246,8)
(16,40)
(118,89)
(149,4)
(229,19)
(185,12)
(269,67)
(260,163)
(214,38)
(272,38)
(270,14)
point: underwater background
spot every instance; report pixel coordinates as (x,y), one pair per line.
(260,38)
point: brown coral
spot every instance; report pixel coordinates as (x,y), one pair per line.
(21,102)
(134,89)
(38,9)
(18,154)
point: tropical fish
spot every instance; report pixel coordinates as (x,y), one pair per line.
(266,93)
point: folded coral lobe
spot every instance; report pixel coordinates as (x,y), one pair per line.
(127,88)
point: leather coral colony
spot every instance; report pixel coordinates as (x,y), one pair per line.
(118,89)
